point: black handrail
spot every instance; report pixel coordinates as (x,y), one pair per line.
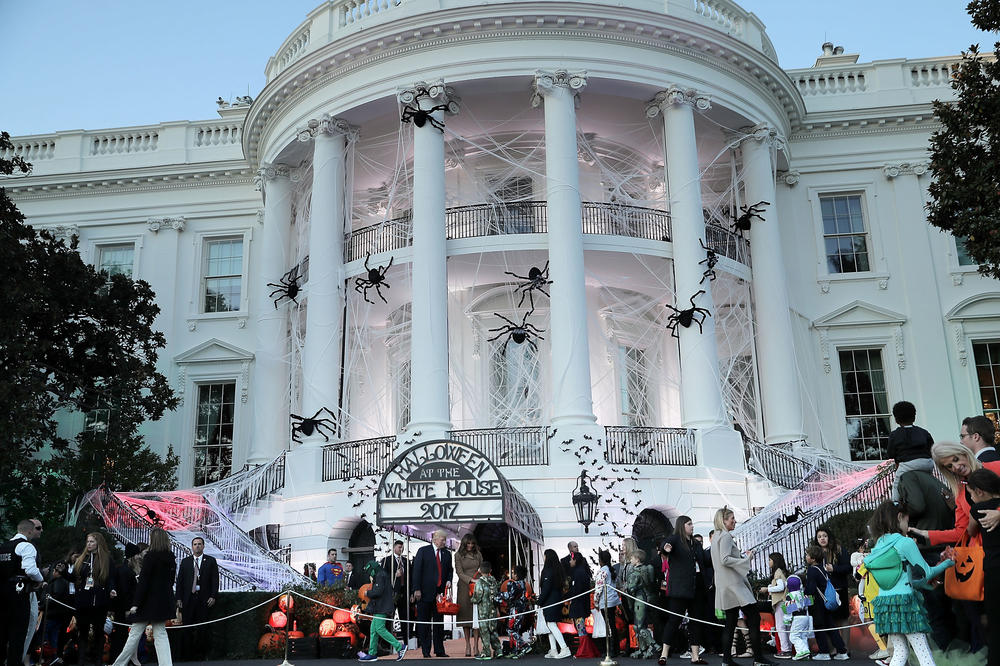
(627,445)
(363,457)
(508,447)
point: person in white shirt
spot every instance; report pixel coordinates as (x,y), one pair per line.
(19,574)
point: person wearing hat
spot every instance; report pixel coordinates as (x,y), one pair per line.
(381,605)
(126,574)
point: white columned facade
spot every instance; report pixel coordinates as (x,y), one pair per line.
(572,400)
(781,399)
(321,353)
(701,395)
(430,413)
(270,367)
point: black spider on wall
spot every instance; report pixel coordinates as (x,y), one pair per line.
(286,287)
(687,316)
(710,260)
(743,222)
(519,333)
(374,278)
(535,279)
(303,426)
(412,113)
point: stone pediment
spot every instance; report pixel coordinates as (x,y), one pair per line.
(860,313)
(980,306)
(213,351)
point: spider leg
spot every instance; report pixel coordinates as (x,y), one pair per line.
(365,294)
(378,290)
(503,331)
(505,319)
(524,293)
(541,288)
(519,277)
(532,343)
(367,257)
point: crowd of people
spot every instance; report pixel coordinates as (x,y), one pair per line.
(74,609)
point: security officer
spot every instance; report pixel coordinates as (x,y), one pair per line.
(18,576)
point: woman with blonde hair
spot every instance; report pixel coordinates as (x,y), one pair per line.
(95,588)
(467,561)
(732,588)
(154,601)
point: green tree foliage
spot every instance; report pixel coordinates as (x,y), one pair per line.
(71,338)
(965,162)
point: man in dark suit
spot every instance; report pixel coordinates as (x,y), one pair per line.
(567,562)
(398,568)
(979,434)
(353,580)
(197,590)
(432,570)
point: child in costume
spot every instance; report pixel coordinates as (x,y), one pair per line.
(484,596)
(867,591)
(640,578)
(897,565)
(796,618)
(515,596)
(381,605)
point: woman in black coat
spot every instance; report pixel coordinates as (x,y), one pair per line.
(154,602)
(95,591)
(582,580)
(550,597)
(685,587)
(837,565)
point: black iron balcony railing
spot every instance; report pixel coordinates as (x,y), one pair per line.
(626,445)
(531,217)
(509,447)
(364,457)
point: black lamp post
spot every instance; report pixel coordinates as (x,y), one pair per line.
(585,502)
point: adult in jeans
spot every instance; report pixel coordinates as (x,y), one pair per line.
(732,589)
(154,601)
(932,507)
(685,588)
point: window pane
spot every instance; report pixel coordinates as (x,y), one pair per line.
(866,403)
(963,255)
(214,429)
(116,259)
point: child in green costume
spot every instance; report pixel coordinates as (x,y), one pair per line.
(484,596)
(638,584)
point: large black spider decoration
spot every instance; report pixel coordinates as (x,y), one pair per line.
(519,333)
(286,287)
(536,279)
(316,423)
(687,316)
(742,222)
(374,278)
(787,518)
(420,117)
(710,260)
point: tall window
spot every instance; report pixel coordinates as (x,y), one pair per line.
(866,403)
(514,391)
(963,255)
(844,233)
(213,439)
(223,274)
(987,355)
(633,386)
(116,259)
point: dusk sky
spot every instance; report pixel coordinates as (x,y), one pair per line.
(103,63)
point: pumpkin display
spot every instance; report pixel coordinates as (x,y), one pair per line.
(286,602)
(327,627)
(278,620)
(270,641)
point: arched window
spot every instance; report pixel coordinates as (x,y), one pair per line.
(361,545)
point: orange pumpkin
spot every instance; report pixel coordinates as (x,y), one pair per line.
(327,627)
(278,620)
(342,616)
(363,594)
(286,602)
(270,641)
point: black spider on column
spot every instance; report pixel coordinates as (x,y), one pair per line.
(287,287)
(307,426)
(374,278)
(687,316)
(536,279)
(743,222)
(710,260)
(519,333)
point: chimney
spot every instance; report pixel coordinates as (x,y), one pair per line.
(834,56)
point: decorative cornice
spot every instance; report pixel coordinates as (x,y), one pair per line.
(154,224)
(917,169)
(117,184)
(677,95)
(268,172)
(546,81)
(817,128)
(329,126)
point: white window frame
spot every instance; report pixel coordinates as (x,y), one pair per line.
(877,268)
(96,245)
(201,241)
(972,320)
(194,430)
(883,351)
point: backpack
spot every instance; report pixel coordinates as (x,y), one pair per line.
(829,596)
(885,566)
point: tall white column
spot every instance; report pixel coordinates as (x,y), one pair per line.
(701,395)
(572,401)
(779,383)
(321,353)
(271,431)
(429,406)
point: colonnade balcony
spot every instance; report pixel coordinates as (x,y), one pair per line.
(531,217)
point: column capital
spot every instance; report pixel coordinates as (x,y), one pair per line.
(154,224)
(894,169)
(790,177)
(431,94)
(269,172)
(763,133)
(326,125)
(546,81)
(677,95)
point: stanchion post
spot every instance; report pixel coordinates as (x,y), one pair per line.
(608,659)
(288,619)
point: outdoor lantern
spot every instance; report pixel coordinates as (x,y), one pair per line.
(585,502)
